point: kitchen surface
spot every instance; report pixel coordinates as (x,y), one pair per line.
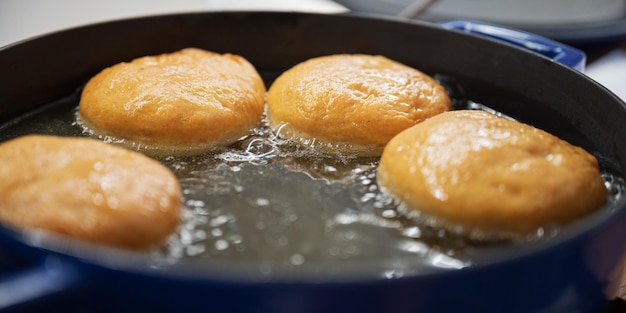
(605,45)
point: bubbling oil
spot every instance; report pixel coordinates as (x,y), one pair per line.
(280,206)
(283,205)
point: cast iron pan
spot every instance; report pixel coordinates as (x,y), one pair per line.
(576,270)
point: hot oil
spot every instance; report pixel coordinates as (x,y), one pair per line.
(276,206)
(286,207)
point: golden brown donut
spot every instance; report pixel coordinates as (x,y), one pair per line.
(489,174)
(87,189)
(178,103)
(352,102)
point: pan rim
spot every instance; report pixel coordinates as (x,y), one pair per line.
(591,223)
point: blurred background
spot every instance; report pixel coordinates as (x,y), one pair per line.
(596,26)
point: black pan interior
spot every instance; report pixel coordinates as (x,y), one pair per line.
(509,79)
(48,72)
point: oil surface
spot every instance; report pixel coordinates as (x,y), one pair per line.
(269,204)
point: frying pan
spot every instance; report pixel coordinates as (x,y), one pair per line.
(575,271)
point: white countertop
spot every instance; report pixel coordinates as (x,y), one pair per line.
(23,19)
(610,71)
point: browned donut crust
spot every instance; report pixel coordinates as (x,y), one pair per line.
(87,189)
(182,102)
(355,101)
(486,173)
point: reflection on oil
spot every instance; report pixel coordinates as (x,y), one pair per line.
(277,206)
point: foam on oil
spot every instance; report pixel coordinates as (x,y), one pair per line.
(280,206)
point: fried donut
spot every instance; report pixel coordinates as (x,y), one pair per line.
(184,102)
(352,103)
(485,174)
(87,189)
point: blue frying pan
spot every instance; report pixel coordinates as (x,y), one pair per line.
(578,270)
